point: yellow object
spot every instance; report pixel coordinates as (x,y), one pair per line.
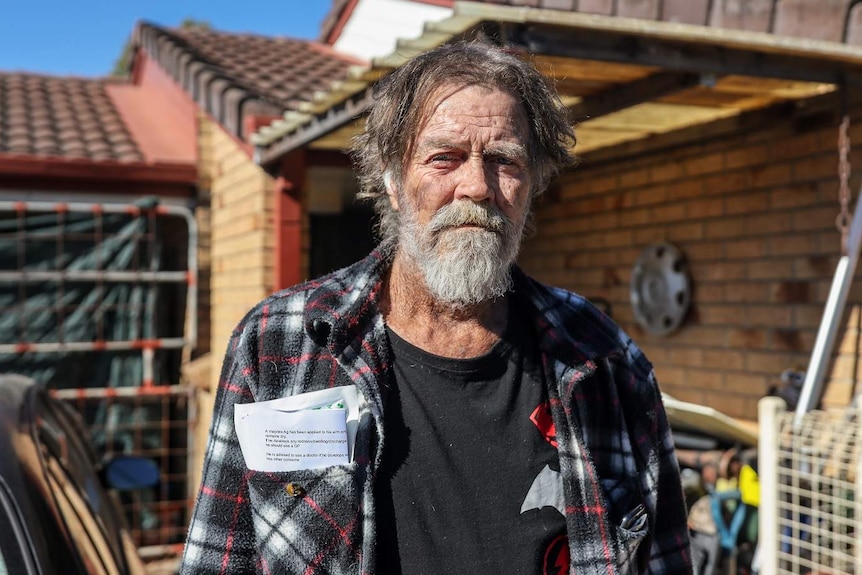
(722,484)
(749,486)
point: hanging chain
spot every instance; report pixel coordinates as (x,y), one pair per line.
(842,222)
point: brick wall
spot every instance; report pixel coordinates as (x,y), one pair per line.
(203,218)
(239,235)
(243,239)
(754,214)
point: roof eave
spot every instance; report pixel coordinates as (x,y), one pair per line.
(81,169)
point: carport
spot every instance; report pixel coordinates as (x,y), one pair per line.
(625,79)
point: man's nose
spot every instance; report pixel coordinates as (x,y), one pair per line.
(475,183)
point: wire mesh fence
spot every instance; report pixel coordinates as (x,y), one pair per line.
(810,517)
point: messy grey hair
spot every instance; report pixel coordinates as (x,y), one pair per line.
(401,100)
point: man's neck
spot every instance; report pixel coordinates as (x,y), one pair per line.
(412,312)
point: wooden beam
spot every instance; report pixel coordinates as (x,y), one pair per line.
(576,23)
(637,92)
(741,123)
(678,56)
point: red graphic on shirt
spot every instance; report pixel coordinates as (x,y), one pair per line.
(556,560)
(541,416)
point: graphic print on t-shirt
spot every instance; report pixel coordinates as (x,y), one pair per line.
(543,419)
(556,559)
(547,491)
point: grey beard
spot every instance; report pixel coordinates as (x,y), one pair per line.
(463,268)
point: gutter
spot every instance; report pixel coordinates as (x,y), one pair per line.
(314,128)
(97,171)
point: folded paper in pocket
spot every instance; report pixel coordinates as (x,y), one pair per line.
(306,431)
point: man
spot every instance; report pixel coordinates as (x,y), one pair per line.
(504,426)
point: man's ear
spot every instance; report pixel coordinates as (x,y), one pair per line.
(390,190)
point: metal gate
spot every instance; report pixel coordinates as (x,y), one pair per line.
(98,302)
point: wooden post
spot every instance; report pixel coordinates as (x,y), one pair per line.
(288,219)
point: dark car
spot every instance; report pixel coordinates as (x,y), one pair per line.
(56,516)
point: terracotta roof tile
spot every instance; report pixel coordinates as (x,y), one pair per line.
(259,75)
(62,117)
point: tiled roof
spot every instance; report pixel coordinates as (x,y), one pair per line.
(230,75)
(63,118)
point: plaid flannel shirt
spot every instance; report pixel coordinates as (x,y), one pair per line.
(613,438)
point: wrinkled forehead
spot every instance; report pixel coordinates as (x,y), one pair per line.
(429,104)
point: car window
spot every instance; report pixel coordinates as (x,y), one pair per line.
(83,526)
(59,425)
(72,477)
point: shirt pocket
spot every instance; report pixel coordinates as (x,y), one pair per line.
(309,520)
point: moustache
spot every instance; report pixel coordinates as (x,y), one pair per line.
(469,213)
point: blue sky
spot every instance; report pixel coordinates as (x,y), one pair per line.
(85,37)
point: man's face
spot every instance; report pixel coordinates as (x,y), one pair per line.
(464,193)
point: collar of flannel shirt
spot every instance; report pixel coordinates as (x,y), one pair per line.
(569,328)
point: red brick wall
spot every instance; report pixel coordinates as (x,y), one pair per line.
(754,214)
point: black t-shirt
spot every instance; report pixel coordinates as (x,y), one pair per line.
(466,442)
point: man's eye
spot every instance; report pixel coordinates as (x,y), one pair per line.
(443,158)
(501,160)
